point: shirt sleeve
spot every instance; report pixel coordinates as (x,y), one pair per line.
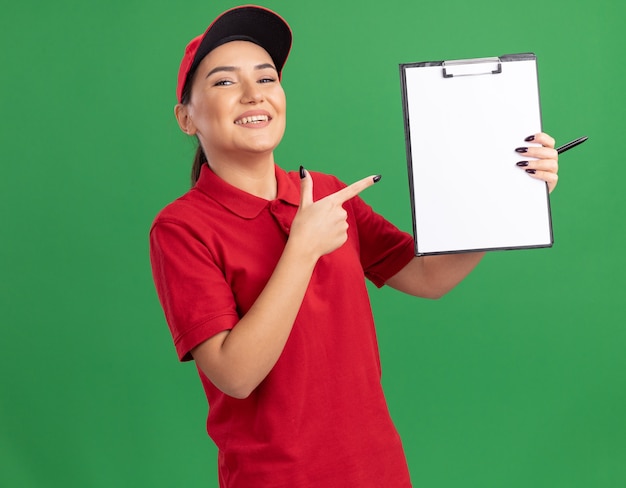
(197,301)
(384,248)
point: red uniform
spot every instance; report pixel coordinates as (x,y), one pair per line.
(319,419)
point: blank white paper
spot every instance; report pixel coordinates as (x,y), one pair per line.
(468,194)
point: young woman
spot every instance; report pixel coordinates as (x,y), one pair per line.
(261,276)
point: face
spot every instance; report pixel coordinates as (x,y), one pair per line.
(237,105)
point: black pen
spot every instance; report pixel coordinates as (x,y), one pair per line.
(570,145)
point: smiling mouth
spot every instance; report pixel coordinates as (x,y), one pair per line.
(254,119)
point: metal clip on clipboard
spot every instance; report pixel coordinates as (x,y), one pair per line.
(472,67)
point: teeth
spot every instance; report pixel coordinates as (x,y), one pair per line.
(252,119)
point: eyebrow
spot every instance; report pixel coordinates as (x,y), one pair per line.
(234,68)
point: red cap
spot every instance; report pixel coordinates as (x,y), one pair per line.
(249,22)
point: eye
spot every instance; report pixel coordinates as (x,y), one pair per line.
(223,83)
(267,76)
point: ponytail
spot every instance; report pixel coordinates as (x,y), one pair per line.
(198,160)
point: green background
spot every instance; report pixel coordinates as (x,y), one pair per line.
(517,378)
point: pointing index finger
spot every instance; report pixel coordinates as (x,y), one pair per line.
(355,188)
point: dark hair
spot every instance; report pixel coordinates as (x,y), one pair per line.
(199,159)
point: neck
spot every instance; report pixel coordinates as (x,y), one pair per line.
(255,175)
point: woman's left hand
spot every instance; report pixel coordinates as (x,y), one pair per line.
(543,162)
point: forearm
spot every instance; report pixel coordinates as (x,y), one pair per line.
(434,276)
(238,360)
(446,271)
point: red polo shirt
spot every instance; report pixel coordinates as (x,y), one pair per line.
(319,419)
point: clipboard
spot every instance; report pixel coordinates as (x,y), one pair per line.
(463,120)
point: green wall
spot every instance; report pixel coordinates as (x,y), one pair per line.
(517,378)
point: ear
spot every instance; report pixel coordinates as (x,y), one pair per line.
(184,119)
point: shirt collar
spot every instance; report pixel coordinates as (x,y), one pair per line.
(240,202)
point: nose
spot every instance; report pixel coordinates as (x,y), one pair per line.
(251,92)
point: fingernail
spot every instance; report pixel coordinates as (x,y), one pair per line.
(521,149)
(522,163)
(302,173)
(530,138)
(377,178)
(530,171)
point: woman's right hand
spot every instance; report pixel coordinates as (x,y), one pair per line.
(321,227)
